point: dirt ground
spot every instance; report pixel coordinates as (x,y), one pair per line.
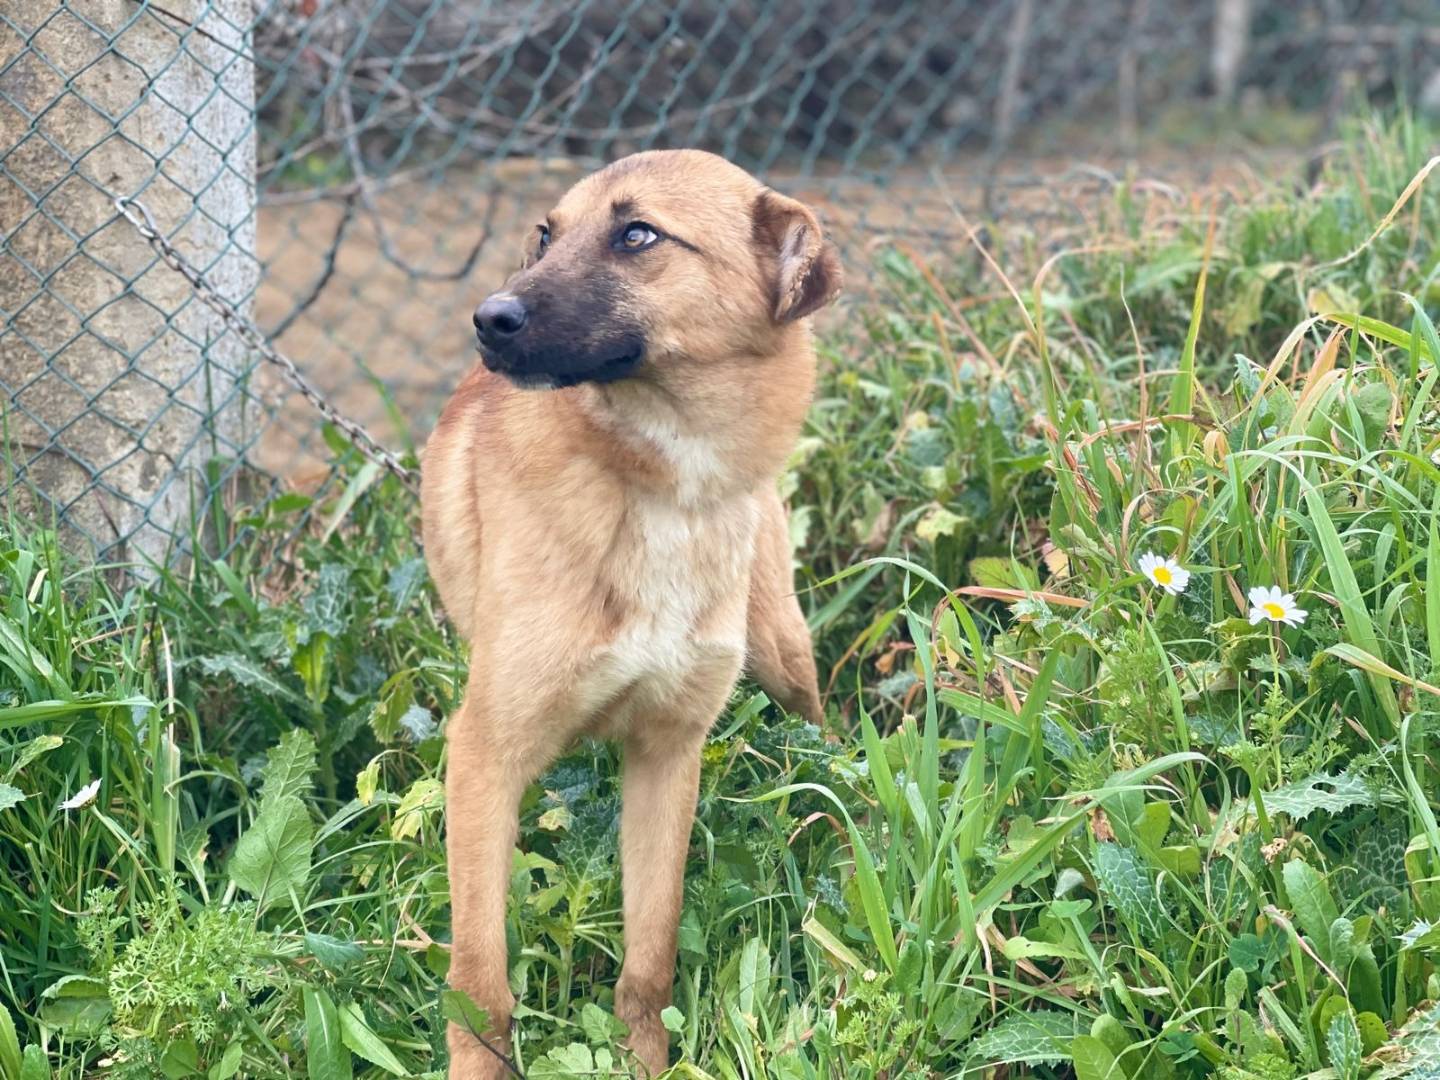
(391,308)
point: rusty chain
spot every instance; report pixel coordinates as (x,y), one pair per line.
(136,213)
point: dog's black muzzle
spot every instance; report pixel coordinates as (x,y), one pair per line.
(536,342)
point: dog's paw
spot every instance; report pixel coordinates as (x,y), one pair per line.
(650,1043)
(471,1061)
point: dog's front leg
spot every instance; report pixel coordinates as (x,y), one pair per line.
(661,782)
(483,785)
(779,653)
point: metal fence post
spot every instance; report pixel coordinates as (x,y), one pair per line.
(117,386)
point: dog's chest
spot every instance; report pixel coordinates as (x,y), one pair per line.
(679,586)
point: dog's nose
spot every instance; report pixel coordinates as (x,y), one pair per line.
(500,316)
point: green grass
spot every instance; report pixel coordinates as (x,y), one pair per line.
(1061,823)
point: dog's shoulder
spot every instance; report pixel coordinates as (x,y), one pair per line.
(452,496)
(478,389)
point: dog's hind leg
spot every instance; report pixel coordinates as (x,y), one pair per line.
(484,781)
(778,650)
(661,782)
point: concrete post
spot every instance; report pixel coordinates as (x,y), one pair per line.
(1230,42)
(116,384)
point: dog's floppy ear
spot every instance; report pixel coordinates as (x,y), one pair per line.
(803,263)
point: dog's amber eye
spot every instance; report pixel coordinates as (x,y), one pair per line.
(638,235)
(543,242)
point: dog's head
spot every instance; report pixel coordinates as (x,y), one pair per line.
(663,259)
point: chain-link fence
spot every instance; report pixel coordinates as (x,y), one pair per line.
(354,175)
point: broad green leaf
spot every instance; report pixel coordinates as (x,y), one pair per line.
(1014,872)
(457,1007)
(556,819)
(326,1055)
(394,698)
(367,782)
(1363,981)
(313,661)
(997,573)
(1418,1046)
(249,674)
(332,951)
(229,1063)
(272,857)
(1126,884)
(10,796)
(1035,1037)
(289,766)
(1182,860)
(181,1060)
(907,972)
(937,523)
(1112,1033)
(1314,907)
(1319,791)
(1342,1043)
(325,605)
(1373,1033)
(9,1047)
(76,1004)
(1093,1060)
(1246,952)
(564,1063)
(1331,1006)
(360,1038)
(34,1065)
(1342,944)
(600,1026)
(1373,402)
(424,799)
(405,581)
(1153,824)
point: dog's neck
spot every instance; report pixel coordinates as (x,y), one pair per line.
(712,437)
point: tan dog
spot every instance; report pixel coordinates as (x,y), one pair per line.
(612,545)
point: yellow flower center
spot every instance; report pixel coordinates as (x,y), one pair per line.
(1162,575)
(1274,610)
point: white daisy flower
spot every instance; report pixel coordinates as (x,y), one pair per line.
(1164,573)
(84,797)
(1268,602)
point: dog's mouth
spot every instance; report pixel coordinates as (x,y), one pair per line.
(617,367)
(545,377)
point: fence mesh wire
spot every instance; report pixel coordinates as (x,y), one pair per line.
(356,174)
